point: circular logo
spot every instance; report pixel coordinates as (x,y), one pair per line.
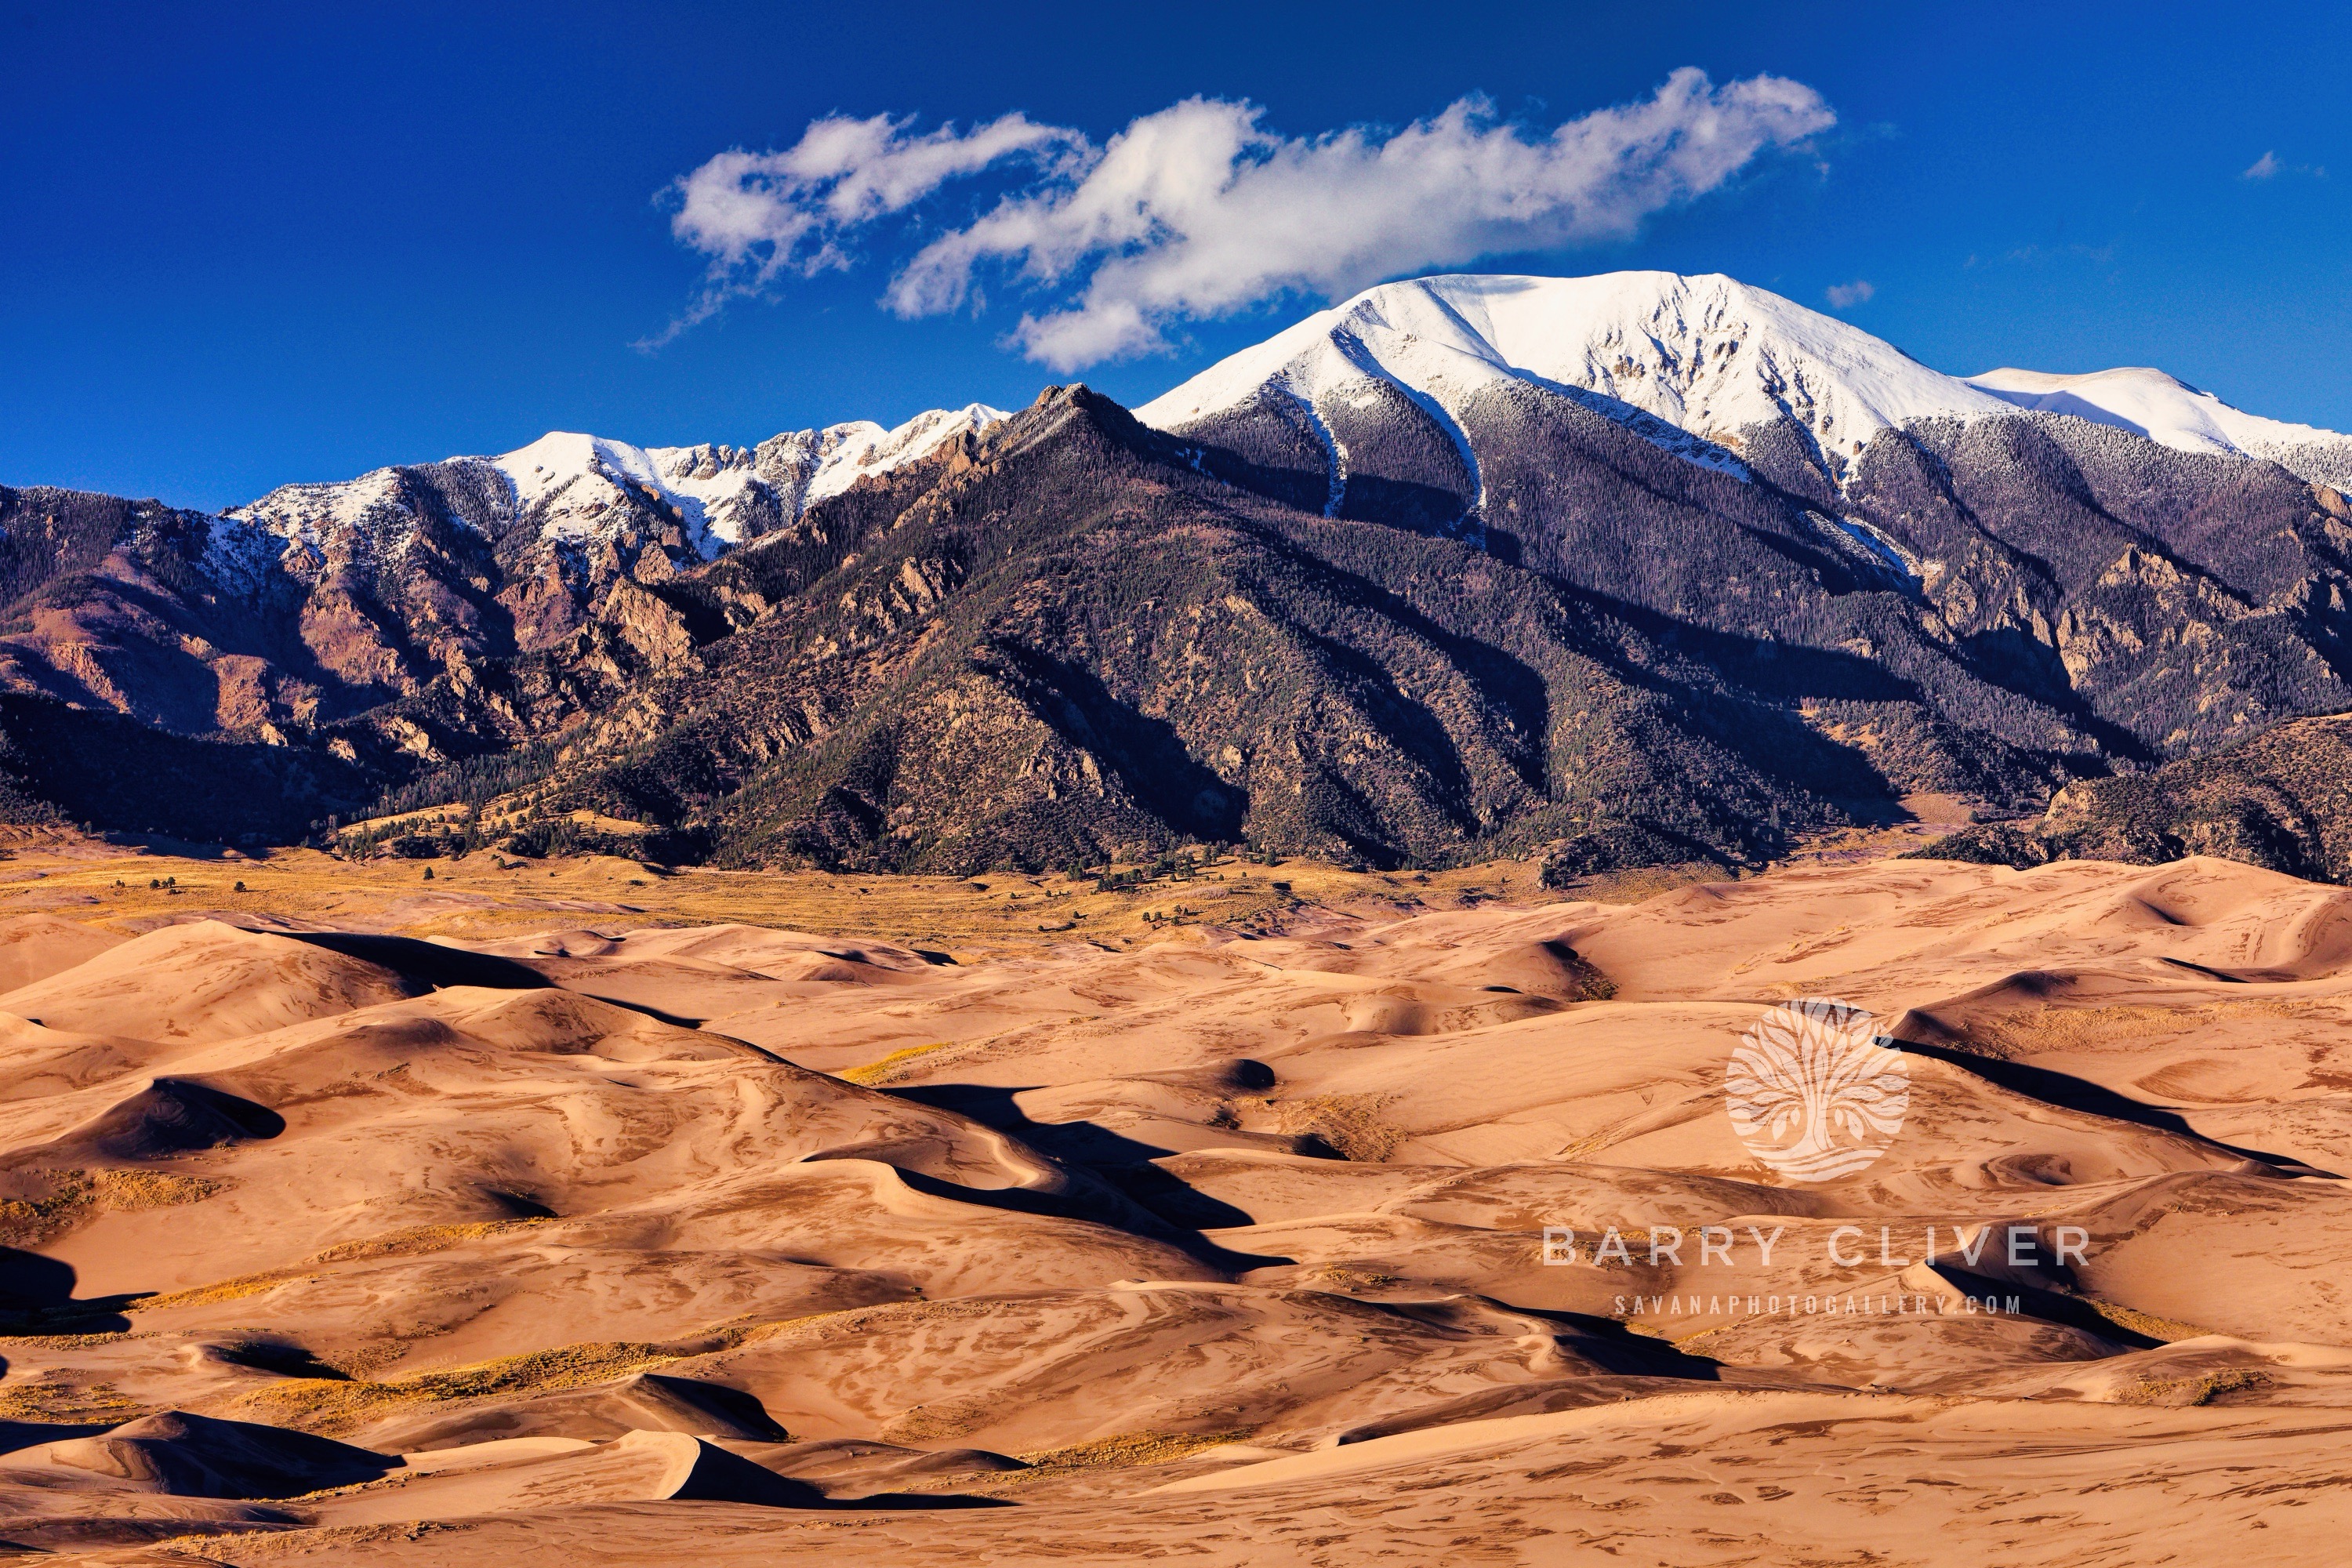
(1816,1093)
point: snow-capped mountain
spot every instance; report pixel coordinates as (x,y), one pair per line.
(1393,391)
(412,570)
(1705,357)
(1705,366)
(578,490)
(2171,412)
(1463,567)
(405,567)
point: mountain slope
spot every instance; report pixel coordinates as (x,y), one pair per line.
(2282,799)
(1707,452)
(129,606)
(1064,641)
(545,530)
(1705,366)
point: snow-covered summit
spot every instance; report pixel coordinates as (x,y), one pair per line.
(2171,412)
(1708,355)
(570,488)
(719,492)
(573,483)
(1704,357)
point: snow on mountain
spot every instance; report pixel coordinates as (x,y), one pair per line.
(804,467)
(1704,357)
(1692,362)
(2172,413)
(719,491)
(572,485)
(304,517)
(577,489)
(1695,365)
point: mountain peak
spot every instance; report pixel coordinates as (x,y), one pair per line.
(1706,355)
(1678,357)
(570,487)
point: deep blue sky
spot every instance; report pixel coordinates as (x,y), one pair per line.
(253,244)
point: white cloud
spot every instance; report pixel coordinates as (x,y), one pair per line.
(1845,296)
(758,215)
(2263,167)
(1199,211)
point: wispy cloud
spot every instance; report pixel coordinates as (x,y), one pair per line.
(2268,167)
(1199,210)
(1845,296)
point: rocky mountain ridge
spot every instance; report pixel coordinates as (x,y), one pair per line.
(1393,587)
(318,601)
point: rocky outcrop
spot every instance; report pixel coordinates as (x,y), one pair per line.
(2282,799)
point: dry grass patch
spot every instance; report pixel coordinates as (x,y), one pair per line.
(318,1403)
(875,1073)
(77,1197)
(29,1222)
(421,1239)
(58,1402)
(943,1422)
(321,1403)
(1129,1450)
(2177,1391)
(235,1289)
(1592,1143)
(487,895)
(1350,1123)
(1341,1280)
(407,1243)
(71,1341)
(151,1189)
(2139,1322)
(263,1542)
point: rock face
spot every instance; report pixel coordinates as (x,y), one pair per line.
(1064,641)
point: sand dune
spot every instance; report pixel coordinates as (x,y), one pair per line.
(34,947)
(759,1244)
(201,982)
(526,1475)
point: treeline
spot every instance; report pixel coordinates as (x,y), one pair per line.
(539,833)
(474,782)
